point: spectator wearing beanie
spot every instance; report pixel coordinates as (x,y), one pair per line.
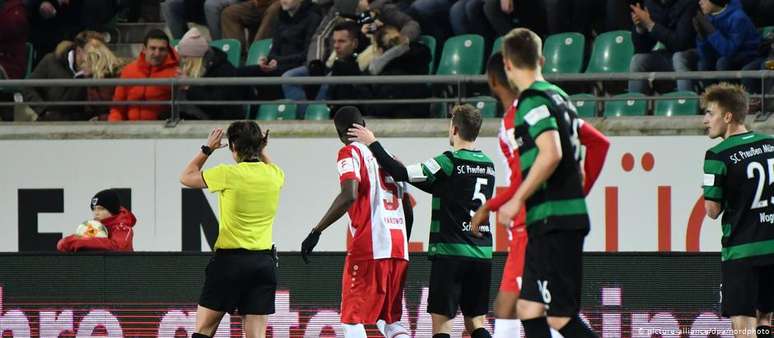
(199,60)
(157,60)
(726,37)
(106,208)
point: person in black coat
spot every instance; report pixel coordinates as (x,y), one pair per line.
(398,56)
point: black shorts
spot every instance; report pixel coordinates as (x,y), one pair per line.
(459,283)
(240,280)
(553,271)
(746,288)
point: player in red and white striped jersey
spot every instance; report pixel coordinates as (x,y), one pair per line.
(377,256)
(506,323)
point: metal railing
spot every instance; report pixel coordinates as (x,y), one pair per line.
(460,83)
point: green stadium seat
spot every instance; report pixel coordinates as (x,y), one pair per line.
(766,31)
(174,42)
(612,53)
(232,48)
(564,53)
(462,55)
(630,104)
(317,112)
(677,107)
(487,105)
(258,50)
(584,104)
(277,111)
(497,46)
(430,42)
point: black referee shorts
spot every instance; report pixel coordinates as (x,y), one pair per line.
(459,283)
(238,279)
(553,271)
(746,288)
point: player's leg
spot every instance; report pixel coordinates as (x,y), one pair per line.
(389,322)
(255,325)
(739,294)
(563,284)
(765,302)
(506,319)
(474,300)
(444,294)
(531,306)
(359,297)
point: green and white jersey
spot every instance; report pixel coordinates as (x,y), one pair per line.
(460,182)
(559,203)
(738,174)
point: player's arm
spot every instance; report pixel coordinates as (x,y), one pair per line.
(408,212)
(339,206)
(192,173)
(397,170)
(715,171)
(597,145)
(482,214)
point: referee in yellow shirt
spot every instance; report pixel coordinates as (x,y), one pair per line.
(242,273)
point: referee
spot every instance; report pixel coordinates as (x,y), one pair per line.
(242,274)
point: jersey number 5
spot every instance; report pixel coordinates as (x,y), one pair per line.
(478,195)
(391,189)
(755,169)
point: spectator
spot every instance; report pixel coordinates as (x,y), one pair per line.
(178,12)
(727,38)
(467,17)
(55,20)
(668,23)
(257,16)
(384,12)
(14,32)
(433,16)
(320,46)
(345,43)
(157,60)
(107,209)
(504,15)
(398,56)
(63,63)
(292,34)
(99,62)
(197,60)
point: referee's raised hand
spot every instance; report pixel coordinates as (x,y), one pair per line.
(308,244)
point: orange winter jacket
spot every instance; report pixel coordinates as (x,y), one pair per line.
(139,69)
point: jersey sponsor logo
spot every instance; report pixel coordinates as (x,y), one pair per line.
(709,180)
(536,114)
(346,165)
(432,165)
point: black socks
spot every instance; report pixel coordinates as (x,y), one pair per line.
(577,328)
(536,328)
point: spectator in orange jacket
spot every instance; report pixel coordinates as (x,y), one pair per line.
(157,60)
(119,222)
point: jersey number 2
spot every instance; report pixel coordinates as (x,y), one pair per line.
(752,169)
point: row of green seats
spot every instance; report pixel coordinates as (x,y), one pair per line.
(287,111)
(633,104)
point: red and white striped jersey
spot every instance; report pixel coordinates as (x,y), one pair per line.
(378,223)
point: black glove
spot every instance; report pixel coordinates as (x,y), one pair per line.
(703,26)
(309,243)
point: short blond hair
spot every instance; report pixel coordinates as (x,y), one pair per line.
(523,48)
(729,97)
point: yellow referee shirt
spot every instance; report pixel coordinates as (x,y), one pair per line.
(248,196)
